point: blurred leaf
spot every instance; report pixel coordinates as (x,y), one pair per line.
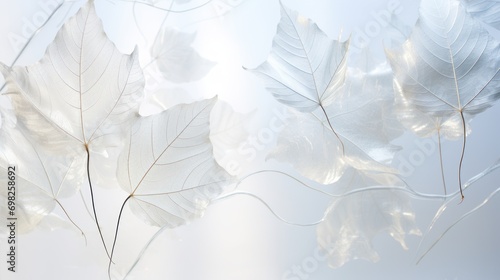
(41,179)
(487,11)
(176,59)
(352,221)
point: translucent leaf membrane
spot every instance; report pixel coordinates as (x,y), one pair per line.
(352,221)
(176,59)
(168,167)
(364,120)
(397,31)
(310,147)
(82,89)
(228,131)
(445,67)
(424,124)
(446,72)
(487,11)
(363,116)
(40,179)
(305,68)
(350,121)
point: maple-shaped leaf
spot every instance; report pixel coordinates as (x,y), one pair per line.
(353,220)
(168,167)
(445,67)
(82,89)
(307,71)
(38,179)
(83,94)
(448,68)
(364,120)
(176,59)
(305,68)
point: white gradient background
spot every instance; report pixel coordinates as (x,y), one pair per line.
(239,238)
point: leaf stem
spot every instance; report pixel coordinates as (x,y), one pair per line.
(462,156)
(93,203)
(243,193)
(333,130)
(71,220)
(116,235)
(441,160)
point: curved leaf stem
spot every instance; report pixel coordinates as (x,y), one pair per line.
(457,221)
(93,202)
(441,160)
(333,130)
(116,235)
(269,208)
(404,188)
(71,220)
(462,155)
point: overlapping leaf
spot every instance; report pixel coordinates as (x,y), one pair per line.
(83,87)
(486,10)
(352,108)
(445,67)
(311,148)
(445,70)
(363,119)
(352,221)
(168,166)
(41,179)
(176,59)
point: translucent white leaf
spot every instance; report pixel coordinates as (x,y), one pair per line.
(228,130)
(447,69)
(426,125)
(446,66)
(363,116)
(168,166)
(352,221)
(305,68)
(397,31)
(83,87)
(176,59)
(311,148)
(485,10)
(41,179)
